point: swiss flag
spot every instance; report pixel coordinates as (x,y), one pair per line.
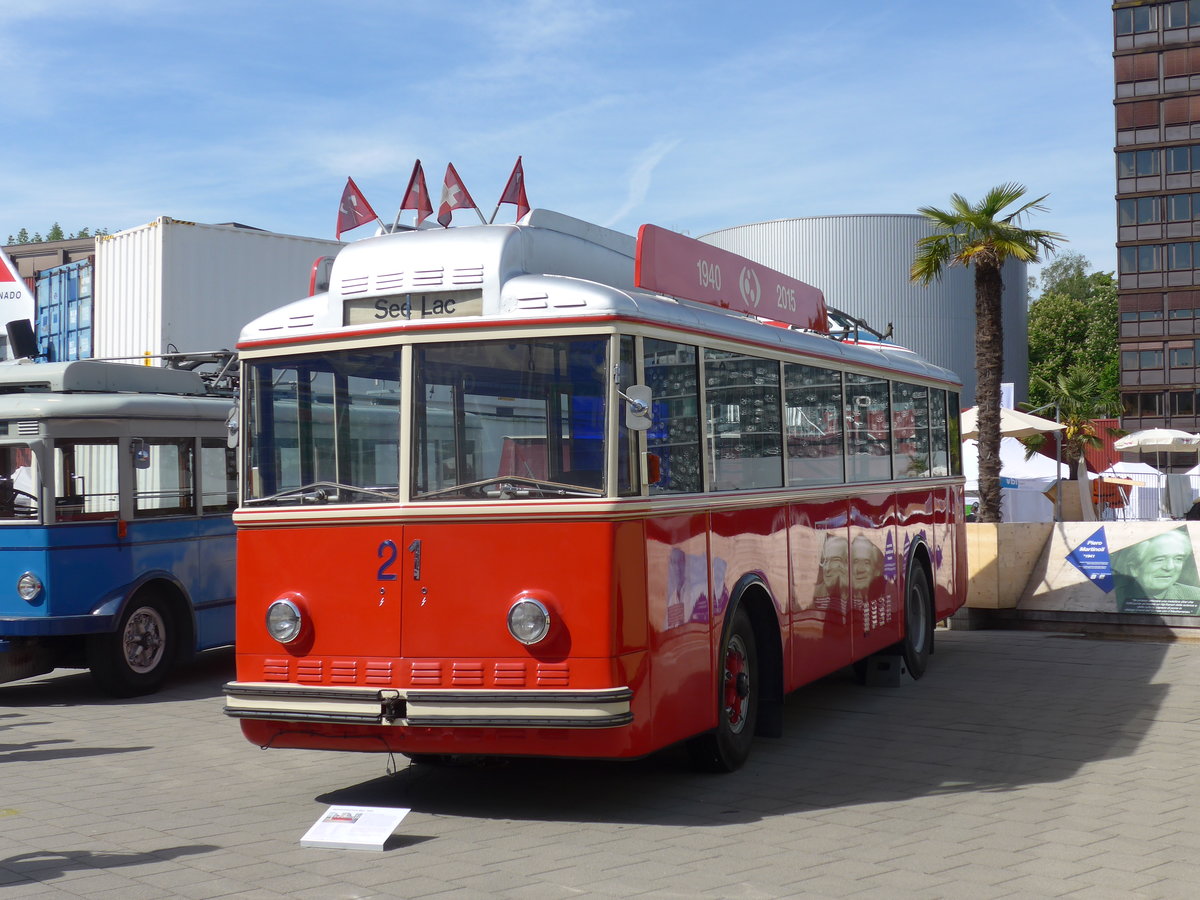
(354,210)
(454,196)
(514,191)
(417,195)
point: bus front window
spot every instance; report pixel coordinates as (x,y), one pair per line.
(324,429)
(20,484)
(509,419)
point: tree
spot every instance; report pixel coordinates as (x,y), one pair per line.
(22,236)
(1073,325)
(983,236)
(55,233)
(1077,405)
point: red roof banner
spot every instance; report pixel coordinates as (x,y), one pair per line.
(680,266)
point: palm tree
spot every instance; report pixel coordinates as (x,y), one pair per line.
(1079,402)
(983,236)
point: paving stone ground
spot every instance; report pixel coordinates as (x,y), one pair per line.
(1022,765)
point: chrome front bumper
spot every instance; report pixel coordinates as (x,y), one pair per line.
(605,708)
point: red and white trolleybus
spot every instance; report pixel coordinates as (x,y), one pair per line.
(542,489)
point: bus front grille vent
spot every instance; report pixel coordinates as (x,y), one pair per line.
(553,675)
(379,671)
(343,671)
(309,670)
(355,285)
(509,674)
(28,428)
(275,670)
(426,674)
(467,674)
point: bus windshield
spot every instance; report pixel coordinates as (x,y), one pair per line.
(325,428)
(509,419)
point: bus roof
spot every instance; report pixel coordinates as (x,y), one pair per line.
(90,375)
(548,265)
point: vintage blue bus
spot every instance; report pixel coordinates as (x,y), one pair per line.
(117,547)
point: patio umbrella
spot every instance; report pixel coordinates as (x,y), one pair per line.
(1013,423)
(1158,440)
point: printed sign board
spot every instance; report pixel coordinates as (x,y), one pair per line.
(679,266)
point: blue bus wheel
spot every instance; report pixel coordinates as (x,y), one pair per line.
(136,658)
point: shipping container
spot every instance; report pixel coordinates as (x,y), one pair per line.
(63,321)
(173,285)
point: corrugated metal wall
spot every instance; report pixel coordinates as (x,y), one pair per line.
(192,286)
(861,262)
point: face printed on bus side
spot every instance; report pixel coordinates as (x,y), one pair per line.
(867,564)
(835,558)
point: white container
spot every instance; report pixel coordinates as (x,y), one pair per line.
(172,285)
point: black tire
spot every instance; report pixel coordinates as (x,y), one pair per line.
(727,747)
(918,621)
(137,657)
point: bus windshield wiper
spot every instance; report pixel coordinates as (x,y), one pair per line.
(325,492)
(507,488)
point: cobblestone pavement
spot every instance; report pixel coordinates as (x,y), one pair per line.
(1022,765)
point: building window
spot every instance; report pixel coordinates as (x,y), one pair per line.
(1140,211)
(1179,208)
(1183,357)
(1143,404)
(1149,258)
(1136,20)
(1179,256)
(1179,14)
(1183,403)
(1179,159)
(1146,162)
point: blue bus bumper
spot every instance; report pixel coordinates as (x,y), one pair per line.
(23,659)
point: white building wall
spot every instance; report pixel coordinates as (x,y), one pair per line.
(861,262)
(191,287)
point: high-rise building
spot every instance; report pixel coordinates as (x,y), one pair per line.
(1157,76)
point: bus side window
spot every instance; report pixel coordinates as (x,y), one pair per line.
(868,428)
(814,424)
(218,476)
(85,480)
(674,436)
(165,487)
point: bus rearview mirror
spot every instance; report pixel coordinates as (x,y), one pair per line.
(638,413)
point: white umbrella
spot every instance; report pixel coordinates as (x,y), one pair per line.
(1158,440)
(1013,423)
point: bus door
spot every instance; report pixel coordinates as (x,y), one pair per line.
(874,582)
(819,544)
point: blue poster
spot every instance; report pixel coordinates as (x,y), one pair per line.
(1091,558)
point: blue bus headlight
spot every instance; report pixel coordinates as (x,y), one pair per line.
(528,620)
(284,621)
(29,587)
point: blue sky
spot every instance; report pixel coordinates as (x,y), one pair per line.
(690,114)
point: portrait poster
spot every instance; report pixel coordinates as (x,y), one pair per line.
(1137,568)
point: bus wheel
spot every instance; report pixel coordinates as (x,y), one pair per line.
(727,747)
(918,622)
(136,658)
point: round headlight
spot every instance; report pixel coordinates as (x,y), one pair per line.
(528,621)
(284,622)
(29,586)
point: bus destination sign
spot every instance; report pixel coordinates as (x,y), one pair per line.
(412,307)
(670,263)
